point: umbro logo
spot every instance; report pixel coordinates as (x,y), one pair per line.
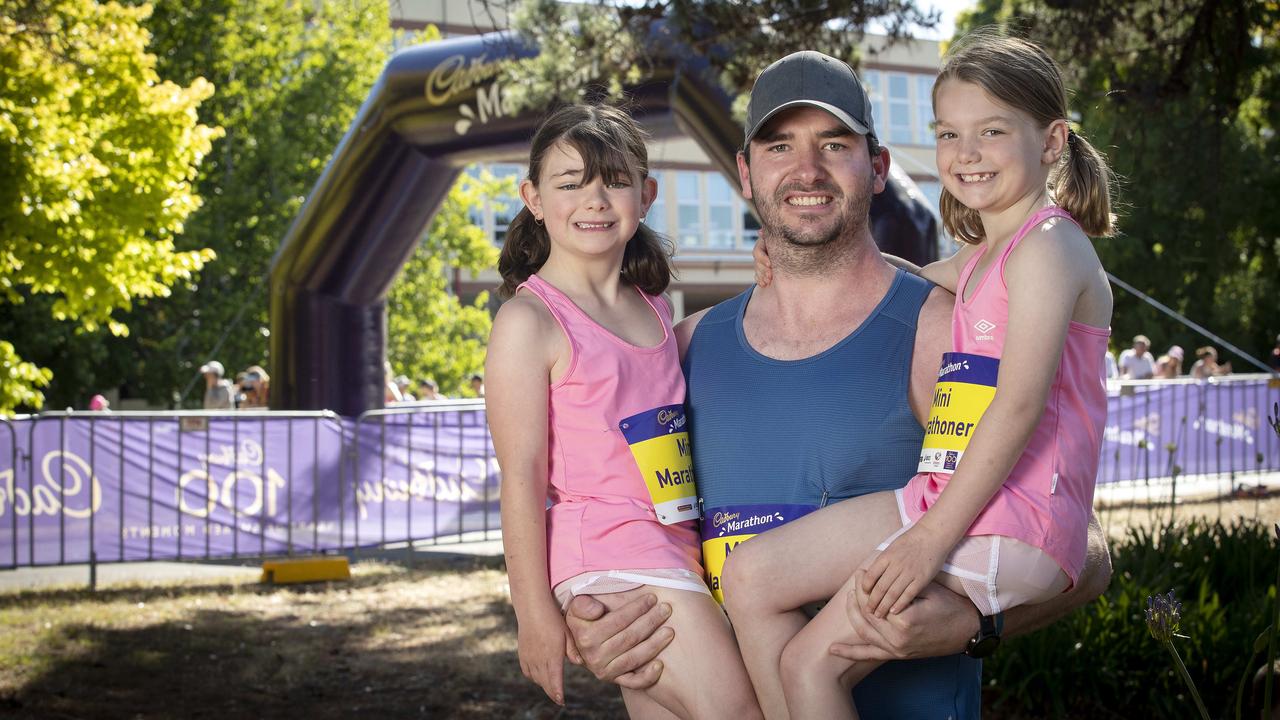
(984,326)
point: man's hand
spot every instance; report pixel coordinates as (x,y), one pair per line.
(621,645)
(938,623)
(894,577)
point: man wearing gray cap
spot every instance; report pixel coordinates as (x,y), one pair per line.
(814,389)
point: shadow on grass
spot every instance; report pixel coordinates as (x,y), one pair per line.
(392,659)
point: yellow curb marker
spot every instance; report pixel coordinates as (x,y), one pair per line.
(305,570)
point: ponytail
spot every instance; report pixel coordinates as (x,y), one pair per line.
(524,250)
(1082,186)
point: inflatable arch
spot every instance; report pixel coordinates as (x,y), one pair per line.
(437,108)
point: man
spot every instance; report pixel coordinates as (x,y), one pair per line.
(217,389)
(1136,363)
(792,406)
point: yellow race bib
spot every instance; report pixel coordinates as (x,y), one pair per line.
(659,440)
(966,385)
(724,528)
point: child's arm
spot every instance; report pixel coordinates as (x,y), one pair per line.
(944,273)
(1045,275)
(517,372)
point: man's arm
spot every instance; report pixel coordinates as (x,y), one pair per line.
(941,622)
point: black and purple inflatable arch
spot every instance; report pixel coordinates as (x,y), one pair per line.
(437,108)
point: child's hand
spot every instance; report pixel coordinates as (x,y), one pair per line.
(542,644)
(764,268)
(897,575)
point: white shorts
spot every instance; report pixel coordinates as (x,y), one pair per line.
(996,572)
(603,582)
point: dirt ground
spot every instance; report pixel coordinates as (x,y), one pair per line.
(433,639)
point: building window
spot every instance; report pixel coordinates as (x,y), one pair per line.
(899,109)
(689,229)
(657,217)
(720,202)
(872,80)
(924,110)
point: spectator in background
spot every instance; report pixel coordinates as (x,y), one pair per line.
(1274,360)
(1207,365)
(402,384)
(429,390)
(98,403)
(1136,363)
(1113,370)
(1169,365)
(391,392)
(477,385)
(218,392)
(255,388)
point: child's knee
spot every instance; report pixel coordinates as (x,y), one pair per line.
(744,580)
(806,663)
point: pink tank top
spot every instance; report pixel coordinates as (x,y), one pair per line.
(1047,499)
(601,515)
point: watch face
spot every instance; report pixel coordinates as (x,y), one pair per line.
(983,647)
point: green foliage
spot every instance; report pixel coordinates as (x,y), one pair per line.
(97,159)
(738,40)
(290,78)
(430,333)
(1184,96)
(1223,573)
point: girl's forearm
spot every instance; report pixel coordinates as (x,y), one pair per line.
(982,471)
(524,541)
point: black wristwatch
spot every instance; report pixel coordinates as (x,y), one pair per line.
(987,638)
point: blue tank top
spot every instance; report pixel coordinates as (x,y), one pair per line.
(776,439)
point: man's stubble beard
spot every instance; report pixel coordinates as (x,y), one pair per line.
(812,251)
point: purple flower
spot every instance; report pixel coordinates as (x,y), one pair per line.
(1164,612)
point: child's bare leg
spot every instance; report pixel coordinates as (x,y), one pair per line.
(702,675)
(769,577)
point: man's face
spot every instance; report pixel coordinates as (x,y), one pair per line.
(1140,347)
(811,177)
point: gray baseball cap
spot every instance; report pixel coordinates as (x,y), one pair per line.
(810,78)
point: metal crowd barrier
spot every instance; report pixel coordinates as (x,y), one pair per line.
(85,487)
(1214,428)
(88,487)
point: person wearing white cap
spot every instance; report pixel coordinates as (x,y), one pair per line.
(217,389)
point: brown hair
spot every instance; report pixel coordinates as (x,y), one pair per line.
(611,144)
(1021,74)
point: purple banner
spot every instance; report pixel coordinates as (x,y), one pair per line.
(165,487)
(1195,427)
(202,486)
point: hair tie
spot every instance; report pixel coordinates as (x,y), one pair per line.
(1072,136)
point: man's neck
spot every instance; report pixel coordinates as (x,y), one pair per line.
(800,314)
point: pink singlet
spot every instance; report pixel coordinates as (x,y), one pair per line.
(1047,499)
(602,517)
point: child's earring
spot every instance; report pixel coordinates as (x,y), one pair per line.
(537,221)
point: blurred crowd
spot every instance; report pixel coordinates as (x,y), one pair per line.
(1137,362)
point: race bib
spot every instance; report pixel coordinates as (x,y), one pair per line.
(966,385)
(659,440)
(724,527)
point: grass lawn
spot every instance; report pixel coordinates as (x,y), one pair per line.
(432,639)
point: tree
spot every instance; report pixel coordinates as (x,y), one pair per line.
(737,39)
(1184,95)
(97,158)
(430,333)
